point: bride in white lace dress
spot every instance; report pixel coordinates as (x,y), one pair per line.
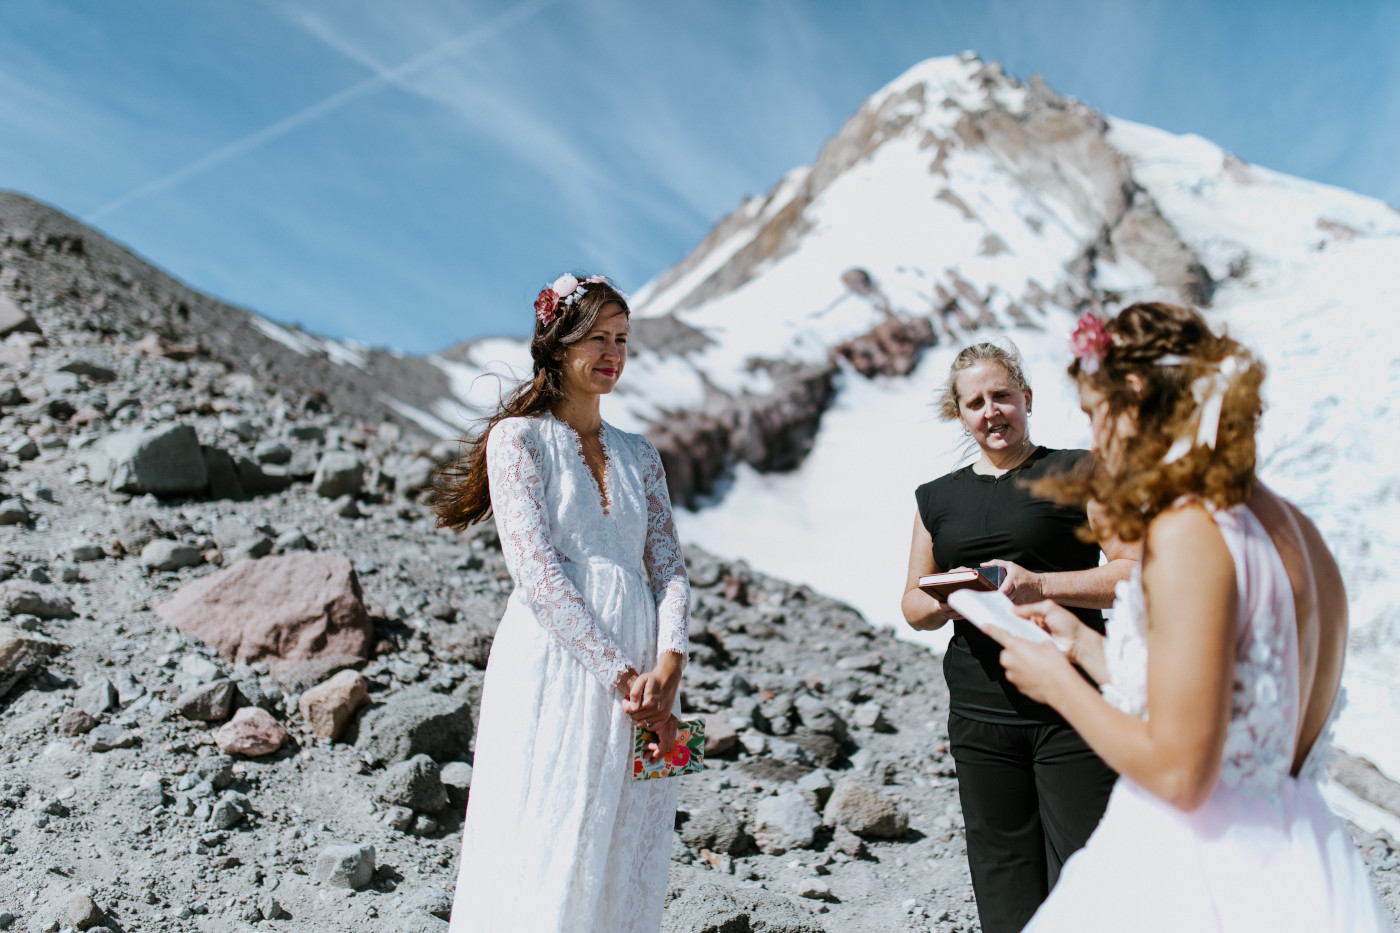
(558,836)
(1221,667)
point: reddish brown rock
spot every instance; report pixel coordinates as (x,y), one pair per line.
(252,731)
(21,654)
(720,735)
(74,721)
(295,607)
(327,708)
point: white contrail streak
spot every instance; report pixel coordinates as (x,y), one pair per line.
(490,29)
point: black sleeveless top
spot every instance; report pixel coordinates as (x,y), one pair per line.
(975,518)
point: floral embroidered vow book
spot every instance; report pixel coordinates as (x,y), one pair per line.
(687,756)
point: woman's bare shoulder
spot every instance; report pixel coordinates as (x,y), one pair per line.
(1186,523)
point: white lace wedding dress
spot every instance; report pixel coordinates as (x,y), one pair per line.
(1264,853)
(558,836)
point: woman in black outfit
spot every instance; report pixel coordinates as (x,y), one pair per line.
(1031,790)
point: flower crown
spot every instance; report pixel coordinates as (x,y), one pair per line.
(564,291)
(1090,342)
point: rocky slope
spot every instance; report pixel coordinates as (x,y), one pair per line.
(134,793)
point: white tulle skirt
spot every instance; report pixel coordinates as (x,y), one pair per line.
(558,837)
(1237,864)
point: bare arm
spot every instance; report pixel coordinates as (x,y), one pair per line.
(1176,753)
(1091,588)
(922,611)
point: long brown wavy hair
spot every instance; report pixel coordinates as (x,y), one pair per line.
(462,495)
(1143,484)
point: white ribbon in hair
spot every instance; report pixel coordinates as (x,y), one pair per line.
(1209,391)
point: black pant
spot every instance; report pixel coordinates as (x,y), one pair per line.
(1031,795)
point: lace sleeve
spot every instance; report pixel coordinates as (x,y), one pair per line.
(518,500)
(664,561)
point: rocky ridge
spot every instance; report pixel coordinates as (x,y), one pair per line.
(163,767)
(1076,231)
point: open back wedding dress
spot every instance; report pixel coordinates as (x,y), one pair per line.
(1264,853)
(558,837)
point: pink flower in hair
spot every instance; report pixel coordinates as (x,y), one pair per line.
(1090,342)
(546,305)
(595,280)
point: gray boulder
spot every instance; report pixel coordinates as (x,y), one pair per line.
(22,597)
(774,716)
(272,452)
(208,703)
(83,913)
(13,319)
(413,475)
(223,473)
(22,448)
(871,715)
(13,512)
(457,778)
(164,554)
(96,697)
(107,737)
(816,787)
(60,383)
(89,367)
(819,718)
(784,822)
(433,901)
(345,866)
(216,769)
(166,461)
(716,829)
(707,907)
(257,481)
(251,549)
(149,795)
(414,722)
(416,783)
(413,920)
(339,474)
(85,551)
(307,432)
(135,530)
(226,814)
(865,811)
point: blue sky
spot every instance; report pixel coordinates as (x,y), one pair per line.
(409,173)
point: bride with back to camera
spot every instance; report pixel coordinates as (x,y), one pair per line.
(1221,668)
(559,837)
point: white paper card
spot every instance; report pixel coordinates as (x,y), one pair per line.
(983,608)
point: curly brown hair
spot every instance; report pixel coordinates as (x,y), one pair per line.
(462,494)
(1167,348)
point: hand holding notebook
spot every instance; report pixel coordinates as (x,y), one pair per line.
(941,585)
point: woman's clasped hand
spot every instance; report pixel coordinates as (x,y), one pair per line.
(649,700)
